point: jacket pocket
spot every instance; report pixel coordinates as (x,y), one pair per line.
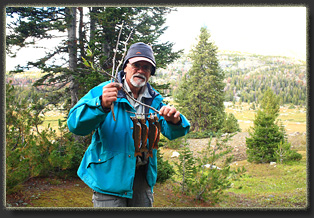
(99,159)
(112,173)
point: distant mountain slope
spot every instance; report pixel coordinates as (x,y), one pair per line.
(247,76)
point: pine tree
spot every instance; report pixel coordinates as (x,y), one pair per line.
(68,79)
(200,94)
(186,168)
(231,124)
(265,134)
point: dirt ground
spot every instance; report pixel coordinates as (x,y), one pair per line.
(238,143)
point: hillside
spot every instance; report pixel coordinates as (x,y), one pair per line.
(248,75)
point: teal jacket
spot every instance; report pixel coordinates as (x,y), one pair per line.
(108,165)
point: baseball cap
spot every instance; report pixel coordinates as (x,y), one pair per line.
(136,59)
(140,52)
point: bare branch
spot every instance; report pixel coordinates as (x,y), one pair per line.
(125,48)
(115,52)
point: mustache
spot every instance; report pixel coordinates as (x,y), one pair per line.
(140,75)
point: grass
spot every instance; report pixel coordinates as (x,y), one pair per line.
(263,185)
(267,186)
(52,192)
(293,119)
(266,178)
(51,120)
(283,186)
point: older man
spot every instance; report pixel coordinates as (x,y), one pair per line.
(109,166)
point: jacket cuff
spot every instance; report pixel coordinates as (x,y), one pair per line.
(106,110)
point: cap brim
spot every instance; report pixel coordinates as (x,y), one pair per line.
(136,59)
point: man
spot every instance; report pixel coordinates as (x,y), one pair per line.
(109,166)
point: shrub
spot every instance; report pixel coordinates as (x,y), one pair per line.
(200,134)
(164,169)
(231,124)
(30,152)
(173,144)
(285,154)
(201,177)
(186,168)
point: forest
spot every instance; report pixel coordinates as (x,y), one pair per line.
(247,76)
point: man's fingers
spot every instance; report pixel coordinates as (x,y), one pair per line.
(110,93)
(177,114)
(169,111)
(115,85)
(161,110)
(170,114)
(166,111)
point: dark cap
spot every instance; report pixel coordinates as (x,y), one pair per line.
(140,49)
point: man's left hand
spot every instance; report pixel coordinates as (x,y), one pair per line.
(170,114)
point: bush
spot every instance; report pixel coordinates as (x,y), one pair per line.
(186,168)
(284,154)
(291,106)
(293,156)
(201,177)
(200,135)
(173,144)
(30,152)
(164,169)
(231,124)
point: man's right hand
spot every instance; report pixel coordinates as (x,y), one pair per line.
(109,94)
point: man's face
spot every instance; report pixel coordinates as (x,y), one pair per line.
(138,73)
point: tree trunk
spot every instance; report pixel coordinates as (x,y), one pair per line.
(92,29)
(93,20)
(72,49)
(81,34)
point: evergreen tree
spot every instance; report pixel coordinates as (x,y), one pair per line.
(186,168)
(68,78)
(231,124)
(265,134)
(164,169)
(200,94)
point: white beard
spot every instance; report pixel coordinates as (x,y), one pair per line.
(138,84)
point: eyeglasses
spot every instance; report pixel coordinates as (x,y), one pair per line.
(145,68)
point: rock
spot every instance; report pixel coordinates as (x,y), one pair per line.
(175,154)
(211,166)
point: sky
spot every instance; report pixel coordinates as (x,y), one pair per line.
(259,30)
